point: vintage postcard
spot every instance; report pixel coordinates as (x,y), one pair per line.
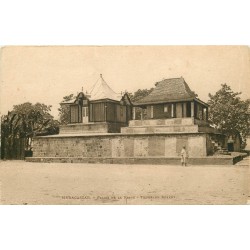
(125,125)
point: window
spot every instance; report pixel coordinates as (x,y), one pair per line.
(85,102)
(165,108)
(85,111)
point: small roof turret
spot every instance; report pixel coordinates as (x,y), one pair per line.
(101,90)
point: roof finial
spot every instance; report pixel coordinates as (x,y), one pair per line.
(101,75)
(82,89)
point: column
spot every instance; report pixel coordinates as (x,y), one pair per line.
(133,113)
(172,110)
(184,109)
(192,109)
(105,112)
(151,112)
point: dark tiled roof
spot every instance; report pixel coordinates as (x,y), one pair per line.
(168,90)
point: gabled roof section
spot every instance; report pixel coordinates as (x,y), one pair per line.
(169,90)
(126,100)
(101,90)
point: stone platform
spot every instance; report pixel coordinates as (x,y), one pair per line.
(175,125)
(143,141)
(220,160)
(90,128)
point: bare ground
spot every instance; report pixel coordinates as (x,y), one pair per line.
(52,183)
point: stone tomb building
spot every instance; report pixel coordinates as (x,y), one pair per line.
(104,128)
(99,111)
(172,98)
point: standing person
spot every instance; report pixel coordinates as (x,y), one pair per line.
(184,156)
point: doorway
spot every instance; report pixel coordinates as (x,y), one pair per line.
(85,115)
(230,147)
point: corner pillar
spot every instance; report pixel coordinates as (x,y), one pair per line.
(172,110)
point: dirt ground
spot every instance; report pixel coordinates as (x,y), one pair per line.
(51,183)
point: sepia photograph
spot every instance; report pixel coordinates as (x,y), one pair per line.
(125,125)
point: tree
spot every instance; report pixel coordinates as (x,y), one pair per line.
(9,132)
(139,94)
(64,110)
(36,119)
(25,121)
(229,113)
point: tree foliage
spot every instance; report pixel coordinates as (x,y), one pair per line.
(139,94)
(229,113)
(64,110)
(36,119)
(25,121)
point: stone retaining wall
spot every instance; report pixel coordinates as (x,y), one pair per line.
(120,145)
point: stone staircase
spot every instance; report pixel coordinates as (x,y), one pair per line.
(218,149)
(222,151)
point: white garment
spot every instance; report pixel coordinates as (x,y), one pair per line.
(183,155)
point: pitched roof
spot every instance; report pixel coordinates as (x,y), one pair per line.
(168,90)
(101,90)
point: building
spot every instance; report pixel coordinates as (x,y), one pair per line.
(100,110)
(104,128)
(172,98)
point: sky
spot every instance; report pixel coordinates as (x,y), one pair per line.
(47,73)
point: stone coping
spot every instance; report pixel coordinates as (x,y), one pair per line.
(164,125)
(168,122)
(117,134)
(77,124)
(88,123)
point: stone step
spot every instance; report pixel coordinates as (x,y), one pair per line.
(223,152)
(199,161)
(166,122)
(159,129)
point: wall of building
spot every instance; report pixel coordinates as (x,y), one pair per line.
(158,111)
(237,143)
(247,143)
(164,111)
(120,146)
